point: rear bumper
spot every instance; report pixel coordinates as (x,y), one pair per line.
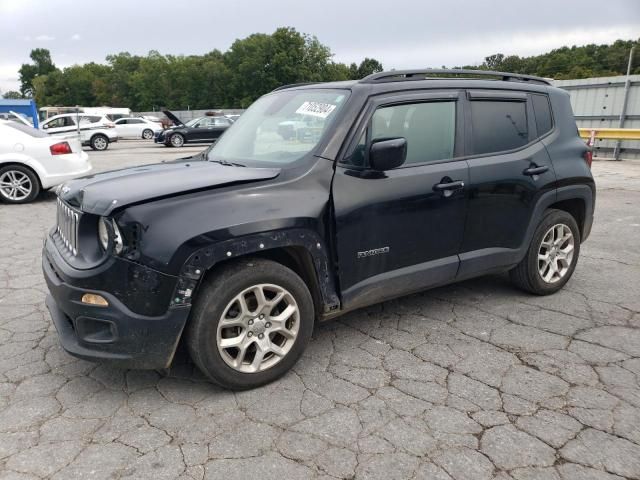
(114,333)
(80,167)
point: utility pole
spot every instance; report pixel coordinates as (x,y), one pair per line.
(623,113)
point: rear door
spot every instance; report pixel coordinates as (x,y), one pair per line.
(400,231)
(509,169)
(135,126)
(219,125)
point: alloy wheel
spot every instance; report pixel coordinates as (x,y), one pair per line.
(177,140)
(555,253)
(15,185)
(258,328)
(100,143)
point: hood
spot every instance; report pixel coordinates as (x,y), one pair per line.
(173,118)
(102,193)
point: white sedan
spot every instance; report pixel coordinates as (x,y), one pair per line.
(31,161)
(137,127)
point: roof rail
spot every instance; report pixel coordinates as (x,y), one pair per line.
(292,85)
(425,73)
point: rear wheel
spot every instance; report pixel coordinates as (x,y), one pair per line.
(18,184)
(552,255)
(99,142)
(147,134)
(176,140)
(250,324)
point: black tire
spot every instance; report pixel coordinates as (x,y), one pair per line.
(99,142)
(17,195)
(176,140)
(216,293)
(526,275)
(147,134)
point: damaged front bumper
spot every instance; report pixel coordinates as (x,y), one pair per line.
(130,332)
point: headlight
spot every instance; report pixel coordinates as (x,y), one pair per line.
(107,228)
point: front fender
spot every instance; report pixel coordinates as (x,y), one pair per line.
(208,256)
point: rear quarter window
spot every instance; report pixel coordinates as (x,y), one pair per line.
(542,111)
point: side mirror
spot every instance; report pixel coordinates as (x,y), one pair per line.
(388,154)
(44,127)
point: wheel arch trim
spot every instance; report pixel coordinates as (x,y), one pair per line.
(26,163)
(206,258)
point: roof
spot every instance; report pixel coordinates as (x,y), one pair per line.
(21,102)
(434,77)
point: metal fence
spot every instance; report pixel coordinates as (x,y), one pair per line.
(599,102)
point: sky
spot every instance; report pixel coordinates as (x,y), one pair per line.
(399,33)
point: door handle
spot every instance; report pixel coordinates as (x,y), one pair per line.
(448,186)
(535,170)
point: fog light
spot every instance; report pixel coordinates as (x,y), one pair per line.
(93,299)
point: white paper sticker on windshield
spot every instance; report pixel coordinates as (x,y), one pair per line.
(316,109)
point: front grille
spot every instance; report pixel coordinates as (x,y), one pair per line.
(67,228)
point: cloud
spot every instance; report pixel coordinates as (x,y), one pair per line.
(9,77)
(44,38)
(75,36)
(465,50)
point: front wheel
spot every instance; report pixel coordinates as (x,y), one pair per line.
(250,323)
(552,255)
(147,134)
(176,140)
(99,142)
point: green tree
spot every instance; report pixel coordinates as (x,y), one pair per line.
(367,67)
(42,65)
(12,95)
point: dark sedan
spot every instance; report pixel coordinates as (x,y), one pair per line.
(199,130)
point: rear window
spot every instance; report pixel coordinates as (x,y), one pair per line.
(544,122)
(498,126)
(32,132)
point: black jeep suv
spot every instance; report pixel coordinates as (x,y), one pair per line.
(398,182)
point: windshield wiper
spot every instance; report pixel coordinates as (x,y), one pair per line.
(228,164)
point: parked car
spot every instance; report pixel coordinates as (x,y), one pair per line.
(233,116)
(198,130)
(96,131)
(136,127)
(32,161)
(416,181)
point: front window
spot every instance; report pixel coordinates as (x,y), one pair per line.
(280,128)
(192,123)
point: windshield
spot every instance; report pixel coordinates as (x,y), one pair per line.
(280,128)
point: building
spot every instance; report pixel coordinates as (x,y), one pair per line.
(598,102)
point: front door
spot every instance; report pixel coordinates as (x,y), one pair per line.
(400,230)
(509,169)
(60,126)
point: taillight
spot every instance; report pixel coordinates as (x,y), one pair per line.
(588,154)
(61,148)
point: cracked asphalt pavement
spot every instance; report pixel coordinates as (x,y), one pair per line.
(470,381)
